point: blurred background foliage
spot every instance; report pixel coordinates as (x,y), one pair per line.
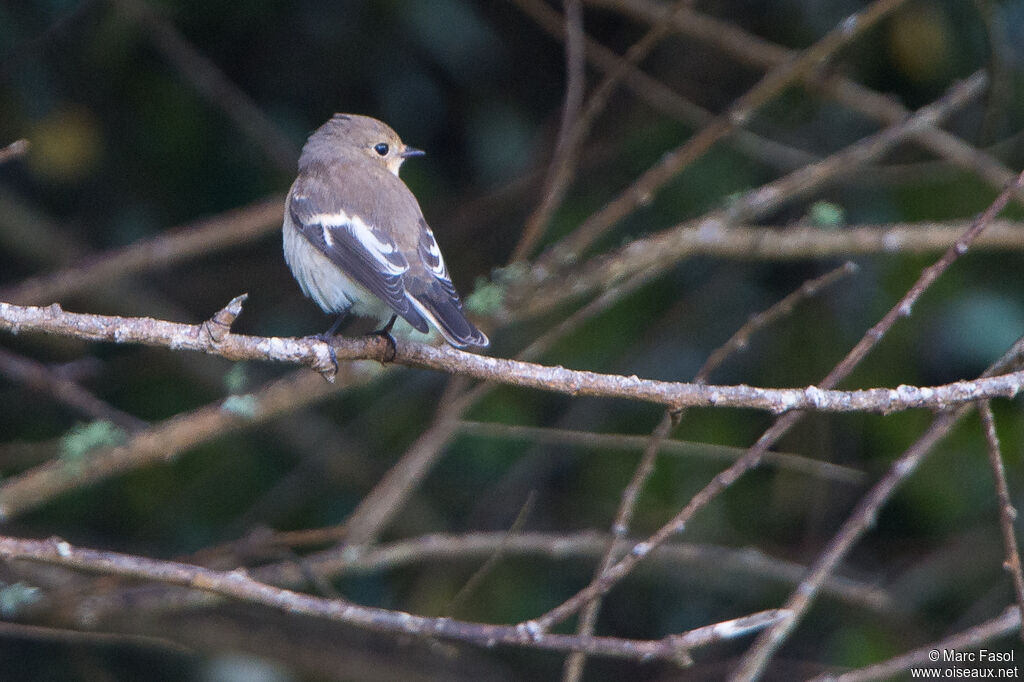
(125,147)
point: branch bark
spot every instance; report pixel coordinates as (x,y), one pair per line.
(315,353)
(239,586)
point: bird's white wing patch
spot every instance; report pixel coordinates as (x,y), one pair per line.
(382,250)
(430,253)
(435,260)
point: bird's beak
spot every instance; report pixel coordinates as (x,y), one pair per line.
(409,152)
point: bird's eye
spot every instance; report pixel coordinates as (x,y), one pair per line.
(382,148)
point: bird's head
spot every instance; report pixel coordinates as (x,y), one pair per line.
(362,137)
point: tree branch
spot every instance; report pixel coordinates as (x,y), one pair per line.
(175,245)
(239,586)
(164,441)
(315,353)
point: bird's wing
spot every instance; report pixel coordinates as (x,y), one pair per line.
(362,249)
(435,295)
(430,254)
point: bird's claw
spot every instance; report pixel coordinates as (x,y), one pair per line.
(385,332)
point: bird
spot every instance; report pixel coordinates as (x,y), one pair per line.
(356,240)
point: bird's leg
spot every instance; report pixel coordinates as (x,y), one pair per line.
(385,331)
(327,335)
(333,329)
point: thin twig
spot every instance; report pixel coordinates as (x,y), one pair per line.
(1001,66)
(42,633)
(753,663)
(14,150)
(999,626)
(1007,512)
(668,562)
(575,663)
(32,49)
(163,441)
(801,241)
(170,247)
(565,162)
(565,147)
(741,339)
(381,503)
(239,586)
(617,441)
(38,376)
(208,79)
(493,559)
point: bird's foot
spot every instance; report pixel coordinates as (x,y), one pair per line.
(327,335)
(385,332)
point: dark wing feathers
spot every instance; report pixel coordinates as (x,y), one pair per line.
(438,294)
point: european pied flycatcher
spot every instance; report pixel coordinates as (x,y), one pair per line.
(355,237)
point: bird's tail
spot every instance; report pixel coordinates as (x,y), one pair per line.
(446,315)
